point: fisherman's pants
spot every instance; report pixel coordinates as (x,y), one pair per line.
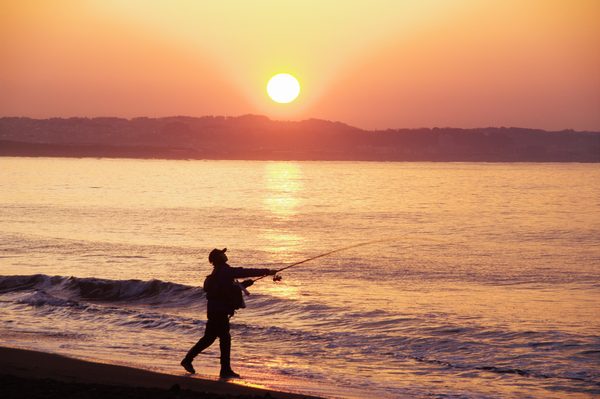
(217,326)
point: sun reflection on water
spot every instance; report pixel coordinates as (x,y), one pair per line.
(283,181)
(283,188)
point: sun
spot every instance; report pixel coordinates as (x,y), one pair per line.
(283,88)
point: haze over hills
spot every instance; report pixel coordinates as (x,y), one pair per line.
(258,137)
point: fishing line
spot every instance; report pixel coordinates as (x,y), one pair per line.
(362,244)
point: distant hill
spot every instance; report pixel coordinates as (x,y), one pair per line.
(258,137)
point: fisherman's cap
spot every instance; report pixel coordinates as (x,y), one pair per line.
(212,256)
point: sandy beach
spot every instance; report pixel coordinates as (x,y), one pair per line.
(31,374)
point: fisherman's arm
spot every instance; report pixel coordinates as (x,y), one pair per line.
(241,272)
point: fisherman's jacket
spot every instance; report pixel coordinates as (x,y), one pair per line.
(221,289)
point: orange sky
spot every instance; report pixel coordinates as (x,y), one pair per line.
(372,64)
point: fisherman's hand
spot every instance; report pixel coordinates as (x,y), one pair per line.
(247,283)
(272,272)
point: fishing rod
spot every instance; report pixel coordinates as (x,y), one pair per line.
(362,244)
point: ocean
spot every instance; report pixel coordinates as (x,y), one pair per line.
(484,281)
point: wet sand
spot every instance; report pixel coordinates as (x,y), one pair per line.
(30,374)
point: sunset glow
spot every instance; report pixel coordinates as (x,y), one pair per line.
(381,64)
(317,198)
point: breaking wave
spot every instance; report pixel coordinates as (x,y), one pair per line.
(57,290)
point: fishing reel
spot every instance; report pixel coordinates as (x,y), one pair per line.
(277,278)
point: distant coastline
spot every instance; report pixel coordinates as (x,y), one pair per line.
(255,137)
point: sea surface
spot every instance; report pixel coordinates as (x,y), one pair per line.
(484,282)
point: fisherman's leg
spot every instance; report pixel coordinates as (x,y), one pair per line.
(210,335)
(225,346)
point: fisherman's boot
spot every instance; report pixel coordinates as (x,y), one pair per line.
(228,373)
(187,365)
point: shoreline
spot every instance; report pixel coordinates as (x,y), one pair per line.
(30,374)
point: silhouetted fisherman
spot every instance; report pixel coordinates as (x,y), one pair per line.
(224,296)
